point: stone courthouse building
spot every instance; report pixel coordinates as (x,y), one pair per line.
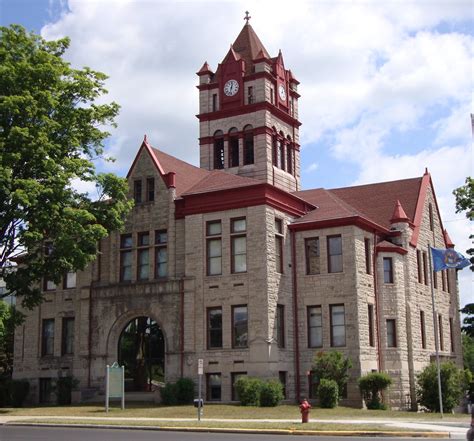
(234,263)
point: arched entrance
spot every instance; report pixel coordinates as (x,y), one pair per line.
(141,349)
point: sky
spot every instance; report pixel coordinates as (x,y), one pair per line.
(386,86)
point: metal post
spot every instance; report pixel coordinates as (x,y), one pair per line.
(436,332)
(107,389)
(199,397)
(123,387)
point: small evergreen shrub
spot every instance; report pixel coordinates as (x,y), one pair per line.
(271,393)
(328,393)
(184,391)
(64,387)
(169,395)
(18,392)
(371,387)
(332,365)
(248,389)
(454,382)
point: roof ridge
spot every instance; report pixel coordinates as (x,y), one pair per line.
(378,183)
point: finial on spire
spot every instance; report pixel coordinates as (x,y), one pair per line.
(145,140)
(247,17)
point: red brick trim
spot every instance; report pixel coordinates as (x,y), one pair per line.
(385,249)
(358,221)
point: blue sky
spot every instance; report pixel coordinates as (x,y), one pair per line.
(385,88)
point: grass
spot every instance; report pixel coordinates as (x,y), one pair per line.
(148,410)
(229,425)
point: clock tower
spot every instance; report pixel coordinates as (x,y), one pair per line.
(248,115)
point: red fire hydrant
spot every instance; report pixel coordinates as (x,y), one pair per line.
(304,409)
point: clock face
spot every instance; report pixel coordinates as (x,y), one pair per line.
(282,92)
(231,87)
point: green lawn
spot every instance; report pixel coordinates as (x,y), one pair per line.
(148,410)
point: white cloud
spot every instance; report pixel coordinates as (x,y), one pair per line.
(368,70)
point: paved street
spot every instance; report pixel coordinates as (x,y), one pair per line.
(15,433)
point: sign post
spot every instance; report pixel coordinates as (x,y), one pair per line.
(200,374)
(115,384)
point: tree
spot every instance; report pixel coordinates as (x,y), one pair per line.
(371,386)
(468,321)
(332,366)
(9,318)
(465,202)
(454,382)
(50,133)
(468,352)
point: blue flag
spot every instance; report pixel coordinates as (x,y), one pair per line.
(449,258)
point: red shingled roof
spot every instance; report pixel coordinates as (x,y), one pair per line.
(248,46)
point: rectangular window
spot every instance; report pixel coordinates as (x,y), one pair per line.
(312,255)
(126,257)
(239,326)
(234,376)
(214,328)
(338,325)
(430,211)
(315,327)
(425,267)
(234,151)
(289,159)
(280,325)
(368,262)
(440,328)
(334,254)
(448,281)
(371,324)
(250,95)
(150,189)
(279,245)
(282,377)
(443,279)
(214,102)
(137,191)
(161,254)
(423,329)
(387,270)
(214,387)
(214,248)
(47,337)
(435,279)
(67,343)
(219,153)
(69,280)
(418,264)
(451,333)
(272,95)
(143,256)
(391,333)
(46,391)
(248,148)
(281,154)
(238,244)
(48,285)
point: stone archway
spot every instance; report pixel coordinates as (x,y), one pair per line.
(141,349)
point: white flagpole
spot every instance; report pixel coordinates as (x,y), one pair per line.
(436,332)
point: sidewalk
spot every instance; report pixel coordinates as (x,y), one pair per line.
(453,430)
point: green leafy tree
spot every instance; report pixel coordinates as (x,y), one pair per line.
(454,383)
(468,352)
(332,366)
(468,320)
(9,318)
(50,133)
(465,202)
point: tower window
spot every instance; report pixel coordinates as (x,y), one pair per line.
(250,95)
(281,154)
(248,145)
(214,102)
(233,148)
(289,158)
(275,150)
(272,95)
(218,150)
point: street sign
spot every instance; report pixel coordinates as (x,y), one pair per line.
(199,400)
(200,366)
(114,384)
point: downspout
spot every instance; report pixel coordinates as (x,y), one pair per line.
(295,315)
(181,324)
(377,306)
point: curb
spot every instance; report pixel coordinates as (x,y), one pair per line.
(347,433)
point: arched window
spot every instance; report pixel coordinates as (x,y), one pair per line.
(281,153)
(233,147)
(289,155)
(219,149)
(248,145)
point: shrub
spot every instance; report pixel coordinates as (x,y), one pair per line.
(271,393)
(169,396)
(453,383)
(64,386)
(19,391)
(328,393)
(184,391)
(248,389)
(371,386)
(332,366)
